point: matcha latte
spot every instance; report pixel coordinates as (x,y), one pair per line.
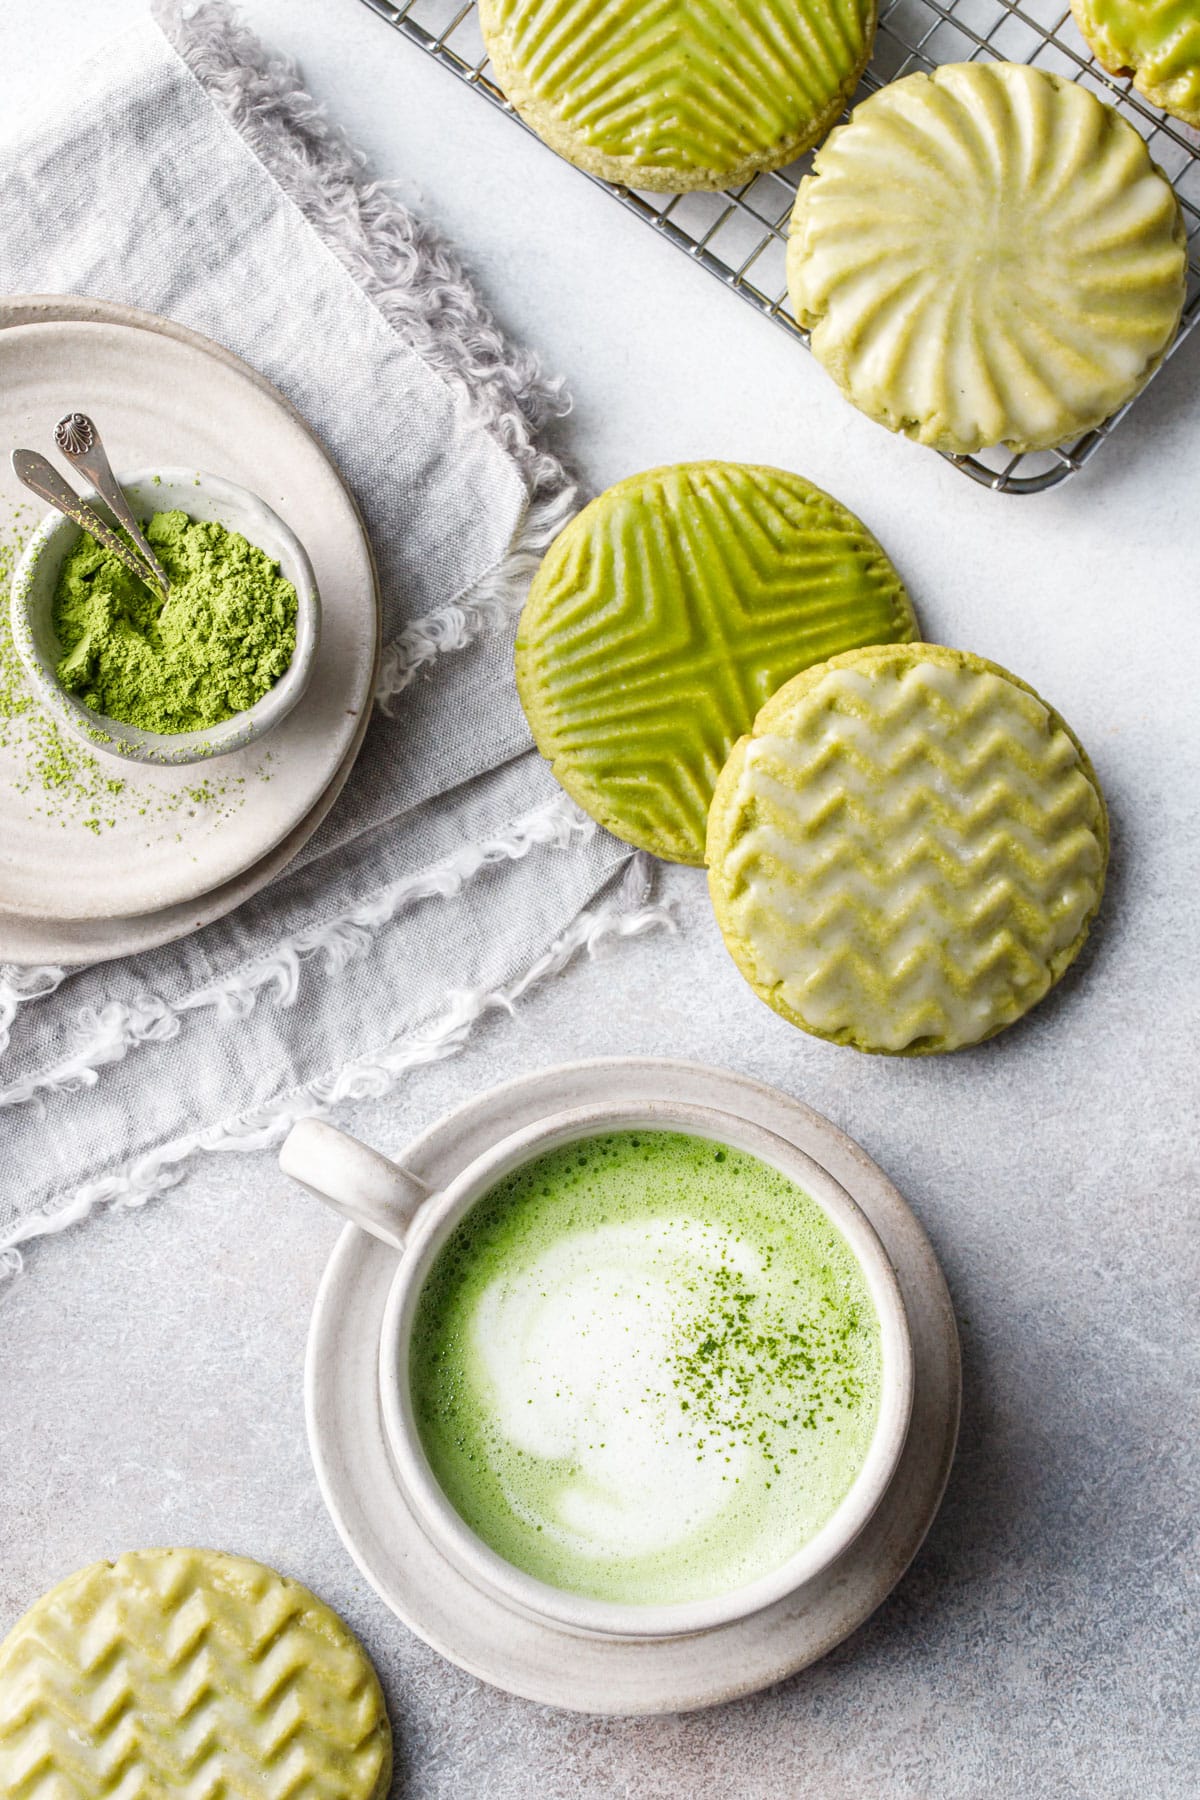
(646,1368)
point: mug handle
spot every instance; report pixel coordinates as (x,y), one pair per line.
(353,1179)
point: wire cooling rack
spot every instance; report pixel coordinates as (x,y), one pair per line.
(740,235)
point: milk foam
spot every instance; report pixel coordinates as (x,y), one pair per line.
(645,1368)
(578,1347)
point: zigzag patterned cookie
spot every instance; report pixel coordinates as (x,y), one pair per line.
(678,93)
(667,613)
(987,255)
(908,851)
(190,1674)
(1157,41)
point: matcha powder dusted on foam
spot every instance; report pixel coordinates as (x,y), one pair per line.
(214,647)
(646,1367)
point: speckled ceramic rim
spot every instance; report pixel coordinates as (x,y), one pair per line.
(202,496)
(438,1217)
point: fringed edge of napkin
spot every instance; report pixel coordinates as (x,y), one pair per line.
(419,285)
(630,913)
(108,1033)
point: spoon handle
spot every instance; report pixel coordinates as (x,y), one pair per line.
(79,441)
(44,480)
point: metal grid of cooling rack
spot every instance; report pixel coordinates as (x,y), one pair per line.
(740,235)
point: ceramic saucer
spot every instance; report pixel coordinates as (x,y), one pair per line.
(533,1658)
(164,837)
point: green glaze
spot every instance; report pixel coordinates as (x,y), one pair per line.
(646,1368)
(220,641)
(682,94)
(667,613)
(1157,40)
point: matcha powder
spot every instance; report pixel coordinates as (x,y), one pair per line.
(215,646)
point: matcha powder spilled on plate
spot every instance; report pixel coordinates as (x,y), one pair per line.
(215,646)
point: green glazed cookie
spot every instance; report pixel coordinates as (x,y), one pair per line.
(987,255)
(665,615)
(188,1673)
(680,93)
(908,850)
(1155,41)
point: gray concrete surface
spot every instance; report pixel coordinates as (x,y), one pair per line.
(1045,1642)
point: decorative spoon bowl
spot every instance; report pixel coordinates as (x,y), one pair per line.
(201,496)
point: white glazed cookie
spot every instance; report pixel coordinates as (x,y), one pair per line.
(188,1673)
(908,850)
(987,255)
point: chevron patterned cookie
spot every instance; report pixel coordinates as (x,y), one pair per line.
(189,1674)
(1155,41)
(908,850)
(987,255)
(678,93)
(665,615)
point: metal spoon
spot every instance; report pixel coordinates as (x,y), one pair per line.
(44,480)
(79,441)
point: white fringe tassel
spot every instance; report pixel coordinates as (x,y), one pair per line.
(20,985)
(423,291)
(494,600)
(628,915)
(419,285)
(111,1031)
(404,265)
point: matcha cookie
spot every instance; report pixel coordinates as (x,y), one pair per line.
(683,93)
(908,850)
(665,615)
(188,1672)
(1155,41)
(987,255)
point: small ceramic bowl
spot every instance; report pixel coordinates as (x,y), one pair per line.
(201,496)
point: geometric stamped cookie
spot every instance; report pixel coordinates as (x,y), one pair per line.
(678,94)
(908,850)
(193,1674)
(663,617)
(987,255)
(1155,41)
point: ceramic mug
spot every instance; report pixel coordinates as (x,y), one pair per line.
(394,1205)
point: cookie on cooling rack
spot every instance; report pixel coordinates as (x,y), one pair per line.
(1155,41)
(907,851)
(188,1672)
(665,615)
(987,255)
(681,94)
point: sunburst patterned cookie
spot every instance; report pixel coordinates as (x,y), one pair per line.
(987,255)
(667,612)
(1155,41)
(908,850)
(188,1673)
(678,94)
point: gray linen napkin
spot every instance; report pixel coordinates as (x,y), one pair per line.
(200,181)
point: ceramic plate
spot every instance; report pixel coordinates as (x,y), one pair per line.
(546,1662)
(77,942)
(83,850)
